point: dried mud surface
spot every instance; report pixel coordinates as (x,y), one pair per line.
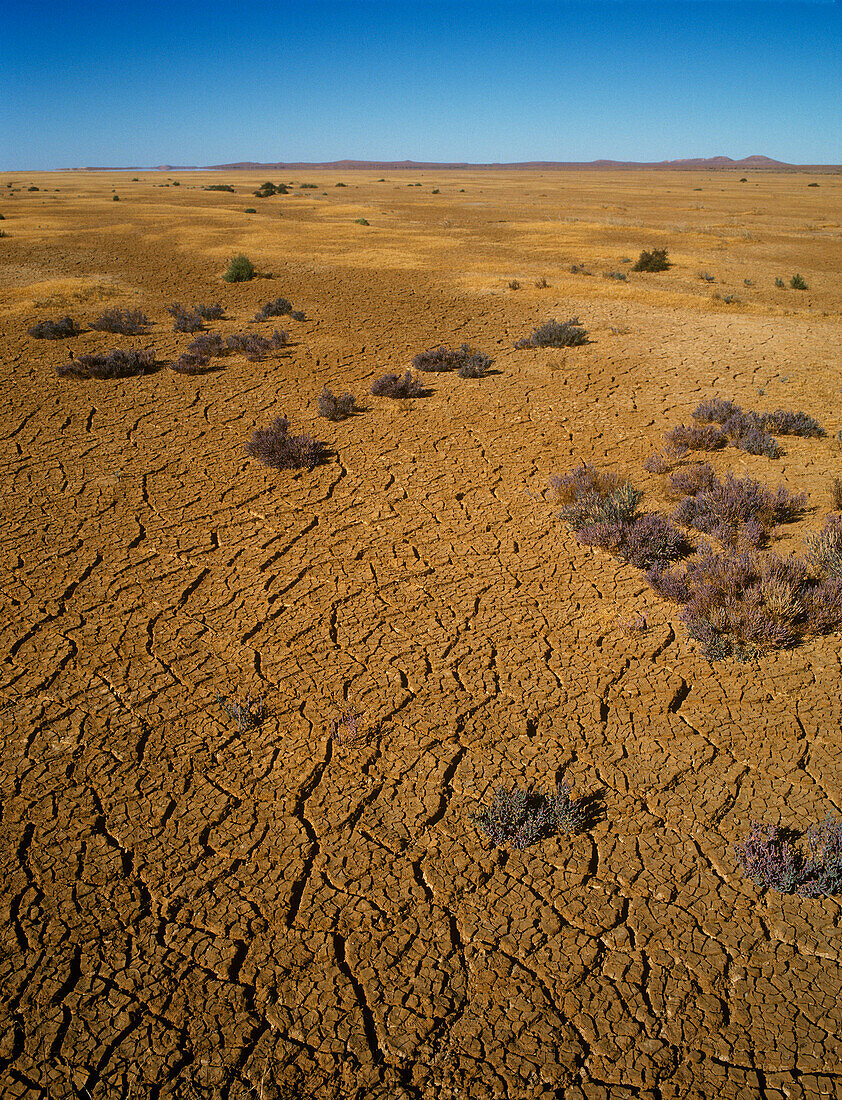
(192,909)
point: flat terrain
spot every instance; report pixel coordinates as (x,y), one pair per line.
(194,907)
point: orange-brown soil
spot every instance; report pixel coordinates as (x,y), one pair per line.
(191,909)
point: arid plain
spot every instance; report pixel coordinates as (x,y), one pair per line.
(197,907)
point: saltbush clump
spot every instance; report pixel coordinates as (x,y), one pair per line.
(114,364)
(128,322)
(555,334)
(770,857)
(240,269)
(336,408)
(275,447)
(280,307)
(446,359)
(824,555)
(656,260)
(738,510)
(519,818)
(390,385)
(54,330)
(255,347)
(185,320)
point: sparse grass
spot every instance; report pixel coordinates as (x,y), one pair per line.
(514,284)
(240,269)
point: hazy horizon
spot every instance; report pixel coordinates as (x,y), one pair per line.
(626,80)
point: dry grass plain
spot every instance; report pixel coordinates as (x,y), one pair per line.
(191,910)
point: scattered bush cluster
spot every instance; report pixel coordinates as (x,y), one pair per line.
(268,189)
(275,447)
(555,334)
(211,345)
(219,187)
(193,320)
(54,330)
(770,856)
(519,818)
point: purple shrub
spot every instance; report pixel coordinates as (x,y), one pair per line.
(555,334)
(670,584)
(128,322)
(716,410)
(585,479)
(749,426)
(738,509)
(185,320)
(696,478)
(275,447)
(209,345)
(651,540)
(446,359)
(785,422)
(189,363)
(390,385)
(517,819)
(823,606)
(593,507)
(114,364)
(54,330)
(770,857)
(336,408)
(254,347)
(684,438)
(824,555)
(280,307)
(657,463)
(210,313)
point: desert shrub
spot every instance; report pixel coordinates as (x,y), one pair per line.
(824,555)
(255,347)
(275,447)
(585,479)
(336,408)
(646,541)
(836,495)
(812,185)
(657,463)
(798,283)
(185,320)
(208,345)
(240,269)
(248,715)
(738,510)
(684,438)
(519,818)
(514,284)
(361,221)
(54,330)
(542,283)
(219,187)
(474,367)
(446,359)
(390,385)
(128,322)
(741,601)
(249,210)
(210,313)
(593,507)
(308,186)
(751,431)
(555,334)
(779,282)
(696,478)
(115,198)
(113,364)
(620,275)
(656,260)
(190,363)
(770,856)
(280,307)
(706,275)
(786,422)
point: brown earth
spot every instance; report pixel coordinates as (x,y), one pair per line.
(190,909)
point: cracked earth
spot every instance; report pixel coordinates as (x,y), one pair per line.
(197,907)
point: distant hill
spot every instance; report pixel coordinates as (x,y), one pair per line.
(692,164)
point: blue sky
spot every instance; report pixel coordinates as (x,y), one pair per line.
(126,83)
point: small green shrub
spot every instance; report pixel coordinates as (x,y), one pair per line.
(656,260)
(240,269)
(779,281)
(249,210)
(361,221)
(797,283)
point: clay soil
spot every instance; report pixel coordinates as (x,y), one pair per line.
(196,907)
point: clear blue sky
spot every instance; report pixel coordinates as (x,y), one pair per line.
(126,83)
